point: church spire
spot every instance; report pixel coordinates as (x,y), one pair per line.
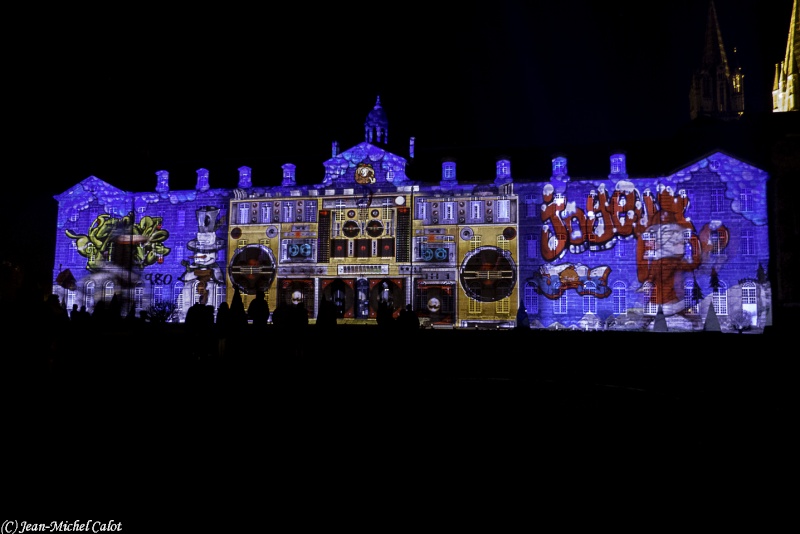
(376,127)
(714,91)
(787,73)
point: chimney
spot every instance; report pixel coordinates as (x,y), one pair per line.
(202,180)
(245,179)
(162,185)
(288,175)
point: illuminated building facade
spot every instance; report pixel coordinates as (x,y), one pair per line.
(576,253)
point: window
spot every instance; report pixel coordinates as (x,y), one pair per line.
(690,305)
(158,294)
(503,168)
(221,292)
(88,296)
(195,293)
(532,249)
(288,212)
(476,211)
(177,296)
(422,210)
(750,302)
(265,212)
(746,199)
(108,292)
(503,211)
(717,200)
(449,170)
(531,296)
(559,166)
(650,299)
(590,299)
(620,301)
(620,247)
(649,240)
(747,244)
(687,245)
(502,306)
(560,305)
(244,213)
(720,299)
(449,213)
(717,240)
(181,218)
(310,212)
(748,293)
(530,206)
(138,296)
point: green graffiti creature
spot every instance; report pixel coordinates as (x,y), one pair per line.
(122,242)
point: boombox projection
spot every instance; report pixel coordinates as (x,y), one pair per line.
(599,253)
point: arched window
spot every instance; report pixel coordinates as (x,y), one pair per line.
(88,296)
(650,299)
(750,301)
(620,300)
(177,298)
(720,299)
(589,299)
(195,294)
(531,299)
(108,292)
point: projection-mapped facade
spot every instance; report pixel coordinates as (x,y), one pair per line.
(570,253)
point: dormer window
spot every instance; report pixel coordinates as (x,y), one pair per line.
(449,170)
(617,164)
(559,166)
(503,168)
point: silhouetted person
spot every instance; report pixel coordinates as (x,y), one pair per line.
(258,310)
(201,332)
(100,313)
(79,316)
(326,316)
(298,316)
(222,326)
(408,318)
(385,317)
(115,309)
(238,314)
(281,317)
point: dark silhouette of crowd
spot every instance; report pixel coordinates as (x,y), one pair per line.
(258,310)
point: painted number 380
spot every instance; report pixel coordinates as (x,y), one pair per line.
(158,279)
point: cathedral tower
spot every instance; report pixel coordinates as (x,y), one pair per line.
(717,90)
(787,72)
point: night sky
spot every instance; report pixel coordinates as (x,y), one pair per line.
(122,95)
